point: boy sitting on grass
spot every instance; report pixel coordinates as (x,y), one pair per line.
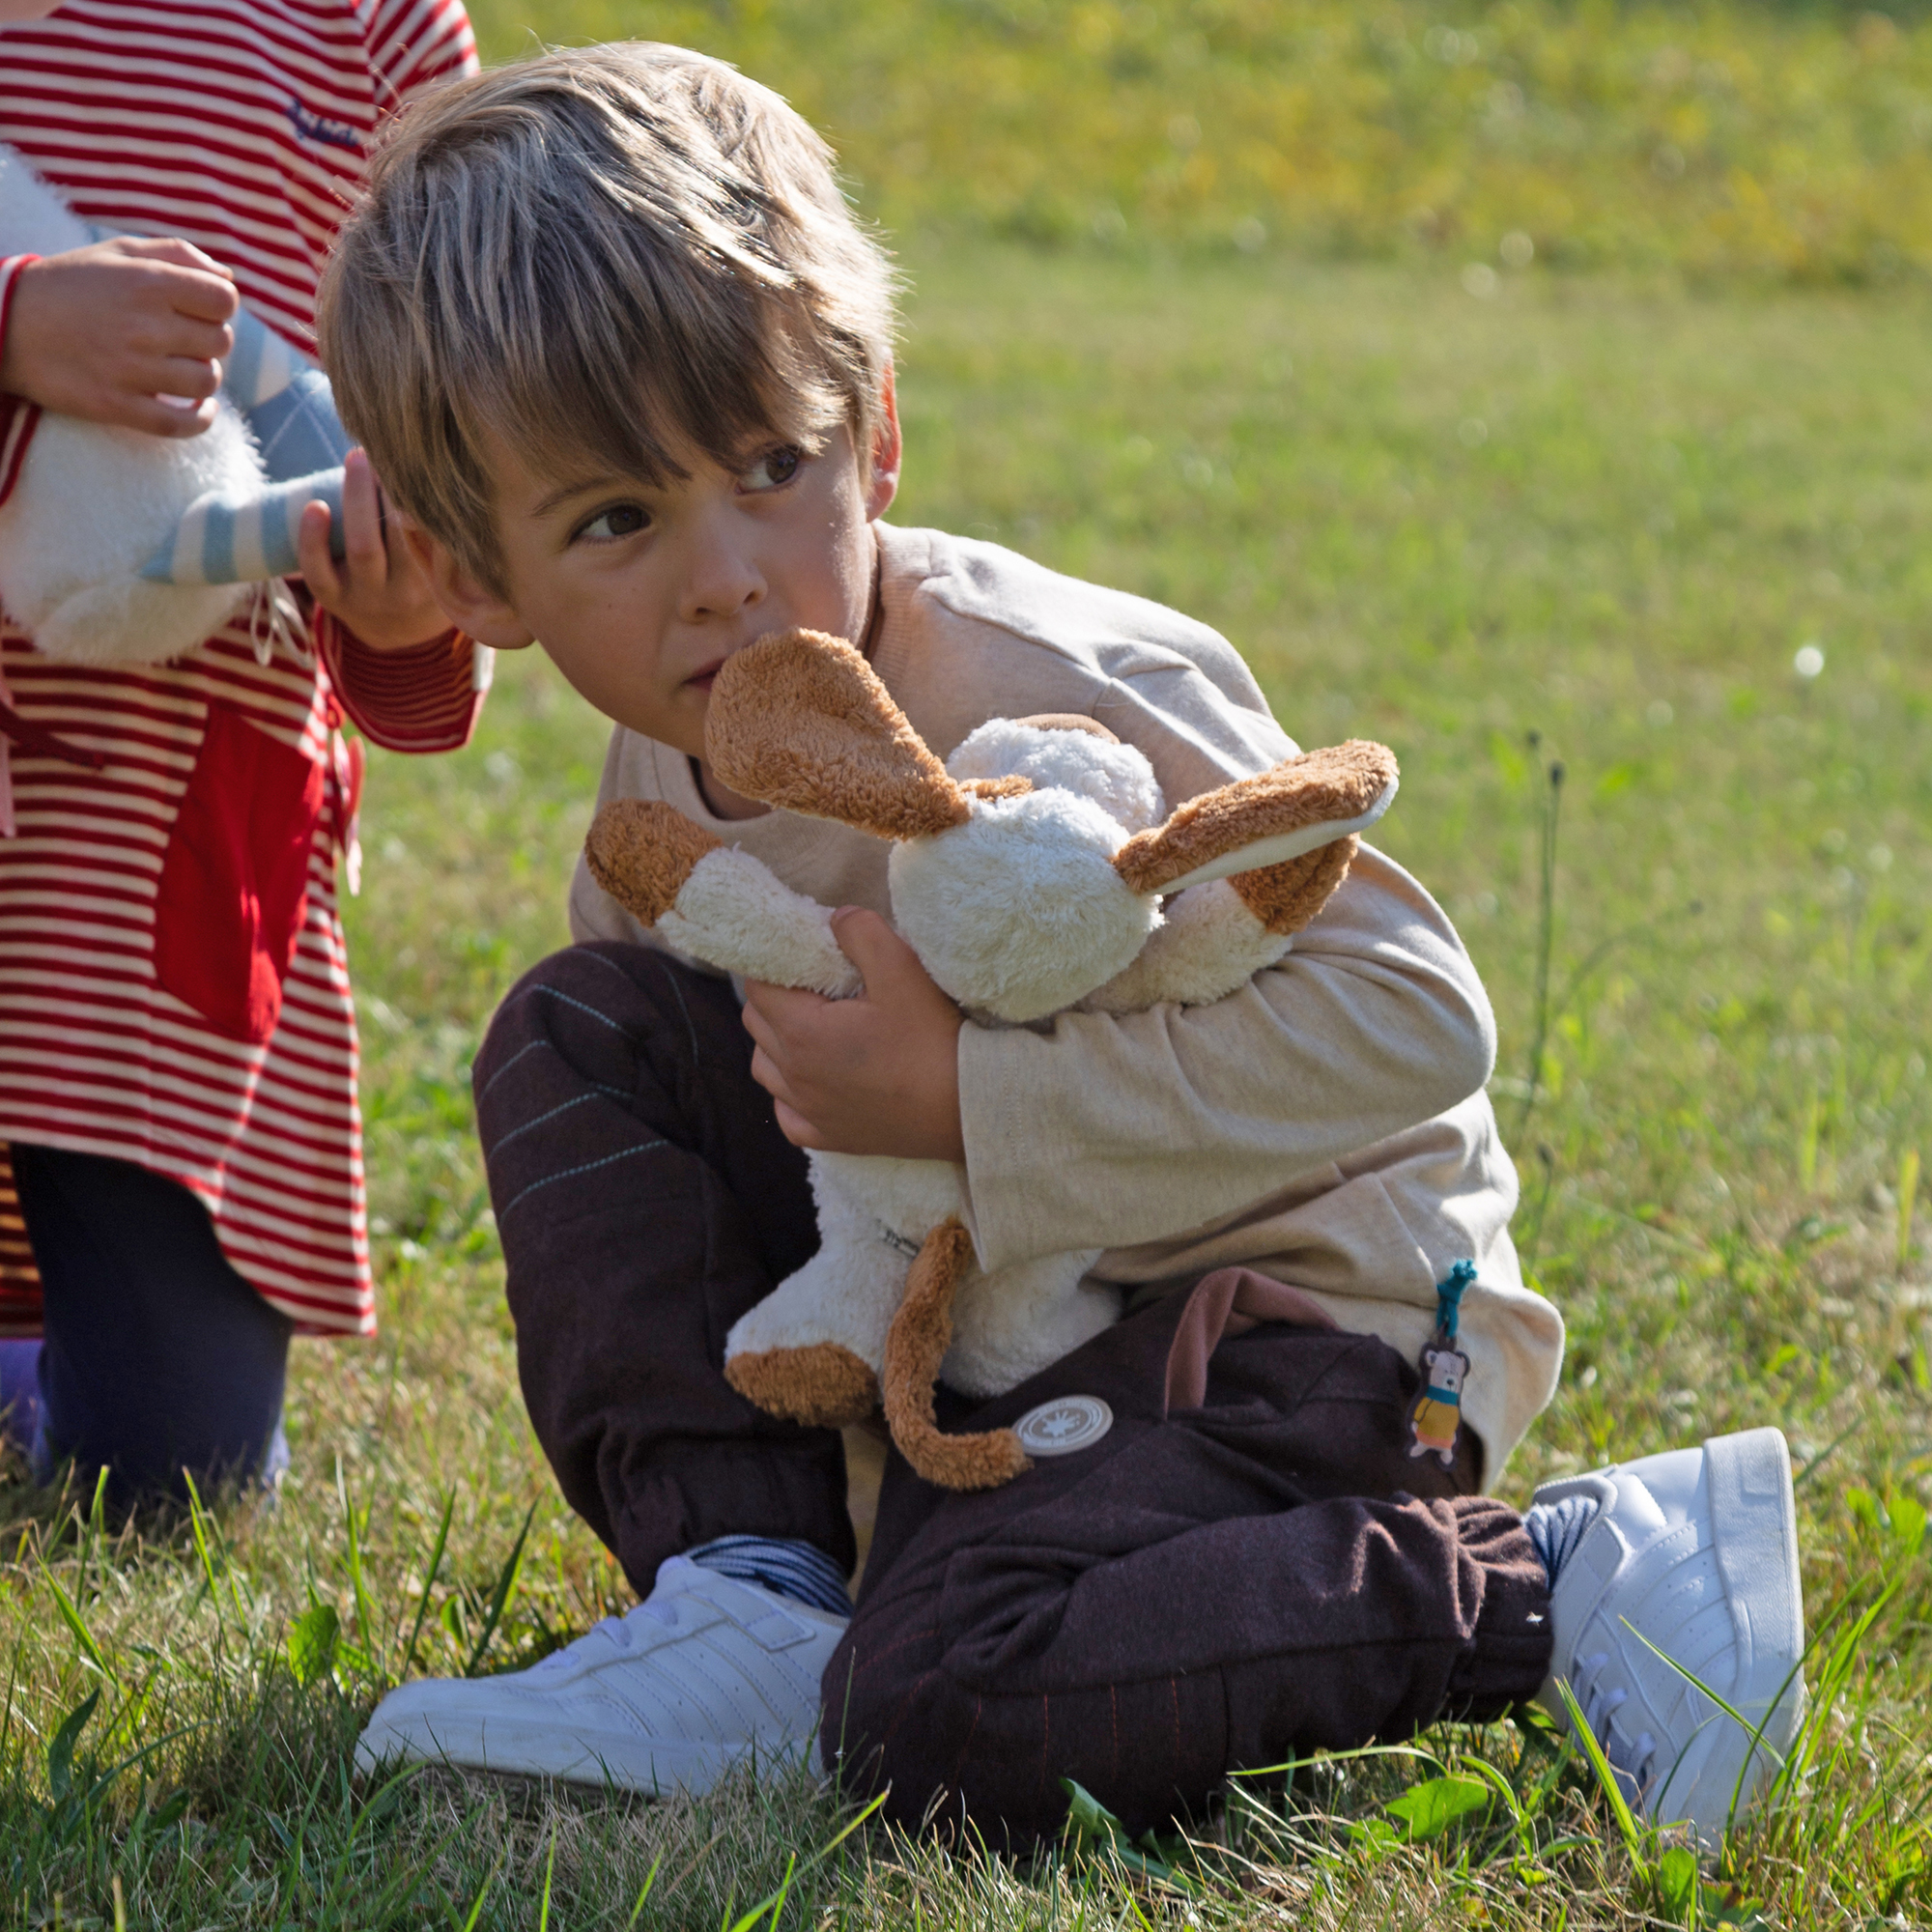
(623,355)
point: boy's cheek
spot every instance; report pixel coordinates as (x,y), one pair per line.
(628,696)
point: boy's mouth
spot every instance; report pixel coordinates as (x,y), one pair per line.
(700,679)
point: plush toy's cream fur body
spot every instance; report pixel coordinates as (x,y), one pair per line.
(93,503)
(1029,875)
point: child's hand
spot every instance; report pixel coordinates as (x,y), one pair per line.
(104,332)
(376,590)
(878,1075)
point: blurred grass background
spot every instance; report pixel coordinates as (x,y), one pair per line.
(1726,139)
(1524,387)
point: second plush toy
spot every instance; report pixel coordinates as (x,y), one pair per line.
(1038,869)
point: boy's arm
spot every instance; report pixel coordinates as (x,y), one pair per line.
(1111,1130)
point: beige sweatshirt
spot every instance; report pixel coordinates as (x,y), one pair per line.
(1326,1125)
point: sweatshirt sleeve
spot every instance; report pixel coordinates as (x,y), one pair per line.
(17,415)
(425,699)
(1108,1130)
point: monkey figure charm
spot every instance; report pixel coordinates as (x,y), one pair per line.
(1438,1410)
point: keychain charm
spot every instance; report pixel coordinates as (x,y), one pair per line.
(1444,1368)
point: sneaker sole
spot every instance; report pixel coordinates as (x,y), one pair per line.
(507,1747)
(1754,1535)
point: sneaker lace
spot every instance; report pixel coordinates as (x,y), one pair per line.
(1634,1760)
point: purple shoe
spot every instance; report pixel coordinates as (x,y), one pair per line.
(22,1417)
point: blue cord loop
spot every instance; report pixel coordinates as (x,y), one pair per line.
(1449,1298)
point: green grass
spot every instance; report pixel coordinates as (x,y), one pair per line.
(1603,511)
(1725,137)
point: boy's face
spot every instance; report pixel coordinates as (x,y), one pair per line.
(639,594)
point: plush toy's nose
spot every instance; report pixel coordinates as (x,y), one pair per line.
(1019,911)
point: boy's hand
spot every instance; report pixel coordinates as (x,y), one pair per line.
(878,1075)
(376,590)
(104,332)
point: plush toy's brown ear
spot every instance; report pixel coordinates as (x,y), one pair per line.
(801,720)
(1293,809)
(642,851)
(1284,898)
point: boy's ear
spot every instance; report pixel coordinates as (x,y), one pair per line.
(471,606)
(882,481)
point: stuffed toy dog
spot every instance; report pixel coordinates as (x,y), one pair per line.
(1039,869)
(121,548)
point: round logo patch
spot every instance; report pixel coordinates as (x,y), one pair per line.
(1060,1426)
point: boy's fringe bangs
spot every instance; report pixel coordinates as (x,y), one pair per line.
(601,280)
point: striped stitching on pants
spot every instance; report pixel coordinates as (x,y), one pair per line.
(584,1167)
(583,1007)
(596,1087)
(529,1046)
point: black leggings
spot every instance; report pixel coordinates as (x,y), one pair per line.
(158,1356)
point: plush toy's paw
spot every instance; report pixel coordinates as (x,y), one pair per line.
(822,1385)
(642,851)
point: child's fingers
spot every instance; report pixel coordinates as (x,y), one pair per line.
(765,1071)
(757,992)
(793,1124)
(318,566)
(889,967)
(771,1013)
(365,552)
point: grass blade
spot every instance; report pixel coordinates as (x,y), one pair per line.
(428,1585)
(1546,941)
(60,1754)
(1908,1195)
(476,1907)
(96,1531)
(206,1544)
(365,1613)
(499,1599)
(775,1904)
(1627,1824)
(651,1879)
(82,1635)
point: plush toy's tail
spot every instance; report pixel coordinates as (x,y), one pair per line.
(916,1344)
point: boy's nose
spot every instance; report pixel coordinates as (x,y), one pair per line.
(722,580)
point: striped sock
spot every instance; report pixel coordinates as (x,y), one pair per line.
(800,1571)
(1557,1528)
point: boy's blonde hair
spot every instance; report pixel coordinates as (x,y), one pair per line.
(620,253)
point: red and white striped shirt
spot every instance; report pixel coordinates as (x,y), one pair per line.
(173,983)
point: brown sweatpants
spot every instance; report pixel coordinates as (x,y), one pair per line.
(1248,1564)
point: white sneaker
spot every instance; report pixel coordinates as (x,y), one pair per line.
(1697,1551)
(703,1673)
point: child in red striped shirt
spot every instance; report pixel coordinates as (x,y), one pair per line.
(181,1175)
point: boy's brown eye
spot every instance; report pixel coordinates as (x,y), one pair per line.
(774,468)
(620,519)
